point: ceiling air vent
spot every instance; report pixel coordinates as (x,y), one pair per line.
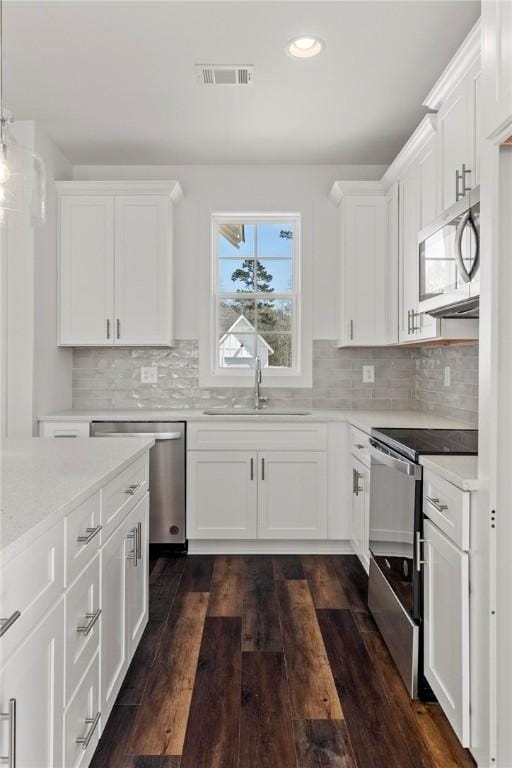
(211,74)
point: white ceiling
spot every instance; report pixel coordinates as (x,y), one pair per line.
(113,82)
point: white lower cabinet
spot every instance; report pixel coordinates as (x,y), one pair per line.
(222,494)
(257,494)
(137,577)
(31,695)
(446,627)
(124,600)
(82,719)
(65,634)
(361,511)
(292,495)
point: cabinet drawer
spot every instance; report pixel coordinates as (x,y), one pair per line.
(360,445)
(275,436)
(121,495)
(82,720)
(83,538)
(82,624)
(64,429)
(448,507)
(30,584)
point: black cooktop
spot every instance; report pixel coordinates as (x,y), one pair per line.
(414,443)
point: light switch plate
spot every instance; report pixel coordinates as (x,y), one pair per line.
(149,374)
(368,374)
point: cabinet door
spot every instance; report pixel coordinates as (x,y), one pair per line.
(86,270)
(33,678)
(427,183)
(142,270)
(361,512)
(413,326)
(446,627)
(365,272)
(115,565)
(138,570)
(454,143)
(221,494)
(292,495)
(497,58)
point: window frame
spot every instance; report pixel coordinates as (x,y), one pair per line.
(243,376)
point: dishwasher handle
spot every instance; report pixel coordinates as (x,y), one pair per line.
(154,435)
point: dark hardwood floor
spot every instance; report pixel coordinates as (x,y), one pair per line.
(268,662)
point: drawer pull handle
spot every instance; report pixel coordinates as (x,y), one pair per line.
(360,447)
(133,555)
(435,503)
(89,535)
(92,722)
(10,716)
(7,623)
(132,489)
(419,542)
(93,618)
(139,541)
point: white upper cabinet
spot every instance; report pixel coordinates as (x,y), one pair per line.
(368,266)
(143,288)
(456,98)
(116,263)
(417,207)
(86,269)
(497,67)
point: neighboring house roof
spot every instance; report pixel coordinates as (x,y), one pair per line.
(243,325)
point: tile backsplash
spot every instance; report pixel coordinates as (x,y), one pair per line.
(404,378)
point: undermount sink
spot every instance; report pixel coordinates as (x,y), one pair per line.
(254,412)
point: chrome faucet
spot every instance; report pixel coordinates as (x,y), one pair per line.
(258,399)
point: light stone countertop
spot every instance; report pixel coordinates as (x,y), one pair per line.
(462,471)
(364,420)
(42,480)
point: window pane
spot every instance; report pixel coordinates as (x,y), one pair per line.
(275,315)
(237,350)
(235,239)
(236,275)
(276,275)
(278,348)
(236,315)
(275,239)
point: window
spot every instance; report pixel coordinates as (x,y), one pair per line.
(256,293)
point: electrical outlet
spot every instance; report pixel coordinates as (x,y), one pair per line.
(149,374)
(368,374)
(447,376)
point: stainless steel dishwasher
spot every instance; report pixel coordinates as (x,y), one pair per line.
(166,474)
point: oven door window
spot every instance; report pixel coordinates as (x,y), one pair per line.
(392,508)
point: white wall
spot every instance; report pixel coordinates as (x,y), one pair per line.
(52,364)
(36,373)
(238,188)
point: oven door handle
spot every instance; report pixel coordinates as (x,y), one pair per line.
(405,467)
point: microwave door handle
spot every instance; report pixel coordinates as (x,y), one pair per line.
(476,260)
(461,267)
(405,467)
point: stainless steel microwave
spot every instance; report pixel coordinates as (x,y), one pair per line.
(449,260)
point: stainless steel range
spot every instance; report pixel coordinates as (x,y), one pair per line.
(396,531)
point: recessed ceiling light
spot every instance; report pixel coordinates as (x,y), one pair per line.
(305,47)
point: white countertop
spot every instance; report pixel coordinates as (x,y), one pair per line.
(43,479)
(365,420)
(462,471)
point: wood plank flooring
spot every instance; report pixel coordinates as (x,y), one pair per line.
(268,662)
